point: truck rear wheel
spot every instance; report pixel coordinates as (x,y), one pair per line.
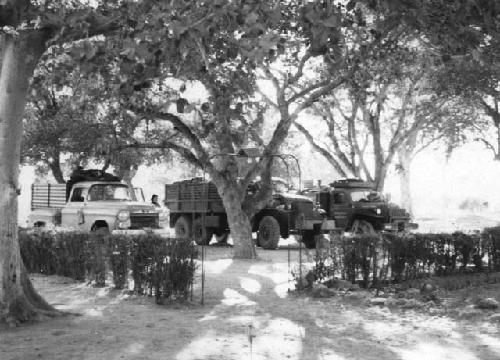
(308,239)
(199,237)
(268,234)
(362,227)
(183,227)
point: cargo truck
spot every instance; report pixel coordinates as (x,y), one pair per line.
(358,208)
(197,211)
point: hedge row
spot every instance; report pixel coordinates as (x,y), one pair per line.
(370,259)
(160,267)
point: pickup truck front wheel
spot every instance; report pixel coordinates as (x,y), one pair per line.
(100,229)
(201,238)
(183,227)
(268,234)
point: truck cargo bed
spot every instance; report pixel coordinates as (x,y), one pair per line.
(193,196)
(45,196)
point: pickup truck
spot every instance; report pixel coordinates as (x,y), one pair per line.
(92,205)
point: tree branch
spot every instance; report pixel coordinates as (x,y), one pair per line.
(326,154)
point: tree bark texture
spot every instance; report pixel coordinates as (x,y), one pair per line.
(55,167)
(18,300)
(239,223)
(404,180)
(405,154)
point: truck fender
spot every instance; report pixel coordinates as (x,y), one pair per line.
(99,224)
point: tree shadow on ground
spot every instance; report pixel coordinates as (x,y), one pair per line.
(238,294)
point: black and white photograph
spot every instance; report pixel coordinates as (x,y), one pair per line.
(250,179)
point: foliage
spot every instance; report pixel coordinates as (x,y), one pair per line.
(160,267)
(370,259)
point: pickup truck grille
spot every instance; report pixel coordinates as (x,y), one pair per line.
(144,220)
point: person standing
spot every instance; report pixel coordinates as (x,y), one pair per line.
(154,201)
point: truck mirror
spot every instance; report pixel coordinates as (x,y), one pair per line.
(387,196)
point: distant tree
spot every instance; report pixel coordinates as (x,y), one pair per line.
(374,112)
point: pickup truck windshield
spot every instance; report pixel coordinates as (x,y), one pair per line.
(100,192)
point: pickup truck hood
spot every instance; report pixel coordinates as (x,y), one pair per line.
(295,197)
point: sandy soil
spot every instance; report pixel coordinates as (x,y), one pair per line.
(241,295)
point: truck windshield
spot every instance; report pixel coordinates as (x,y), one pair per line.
(101,192)
(366,196)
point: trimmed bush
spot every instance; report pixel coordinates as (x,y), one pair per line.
(395,258)
(160,267)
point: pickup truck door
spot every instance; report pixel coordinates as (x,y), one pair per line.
(72,213)
(341,208)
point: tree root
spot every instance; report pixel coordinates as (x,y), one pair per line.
(29,306)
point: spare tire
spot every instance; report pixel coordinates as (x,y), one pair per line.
(268,235)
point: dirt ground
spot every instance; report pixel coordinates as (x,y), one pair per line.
(243,298)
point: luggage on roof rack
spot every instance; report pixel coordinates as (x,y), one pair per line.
(353,183)
(91,175)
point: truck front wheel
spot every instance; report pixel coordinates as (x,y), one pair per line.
(362,227)
(199,237)
(183,227)
(308,238)
(268,234)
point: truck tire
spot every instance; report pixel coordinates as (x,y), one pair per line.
(362,227)
(198,237)
(309,239)
(101,229)
(183,227)
(268,234)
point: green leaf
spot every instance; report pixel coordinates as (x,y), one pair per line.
(252,18)
(332,21)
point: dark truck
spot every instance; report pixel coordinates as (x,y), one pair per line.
(92,200)
(357,208)
(197,211)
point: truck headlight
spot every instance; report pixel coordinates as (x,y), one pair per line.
(123,215)
(378,211)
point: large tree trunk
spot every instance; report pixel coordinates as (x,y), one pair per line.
(404,180)
(239,224)
(405,155)
(55,167)
(18,300)
(497,153)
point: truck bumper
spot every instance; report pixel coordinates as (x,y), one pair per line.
(137,232)
(400,226)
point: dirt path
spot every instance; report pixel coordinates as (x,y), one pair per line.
(239,294)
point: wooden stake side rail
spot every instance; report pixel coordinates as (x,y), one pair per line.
(193,196)
(48,196)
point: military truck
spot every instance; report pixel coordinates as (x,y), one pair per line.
(357,208)
(92,200)
(197,211)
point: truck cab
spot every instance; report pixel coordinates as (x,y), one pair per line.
(92,205)
(358,208)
